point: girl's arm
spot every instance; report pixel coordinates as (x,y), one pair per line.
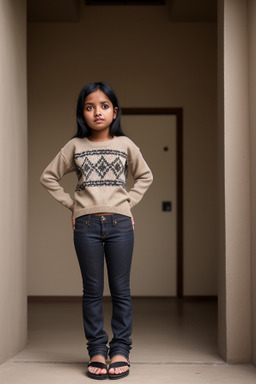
(142,176)
(51,176)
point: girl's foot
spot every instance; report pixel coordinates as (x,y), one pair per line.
(95,371)
(118,371)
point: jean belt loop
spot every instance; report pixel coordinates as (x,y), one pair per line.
(89,218)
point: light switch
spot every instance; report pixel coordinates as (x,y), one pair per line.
(166,206)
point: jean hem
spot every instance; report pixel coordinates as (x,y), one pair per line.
(105,355)
(111,355)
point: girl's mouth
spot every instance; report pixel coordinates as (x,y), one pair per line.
(98,120)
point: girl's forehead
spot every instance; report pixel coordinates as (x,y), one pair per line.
(97,95)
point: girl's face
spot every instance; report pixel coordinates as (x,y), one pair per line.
(99,111)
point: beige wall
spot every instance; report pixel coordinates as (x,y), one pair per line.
(222,324)
(252,94)
(150,62)
(235,249)
(13,170)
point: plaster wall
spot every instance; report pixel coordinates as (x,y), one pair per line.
(13,173)
(149,62)
(252,94)
(235,263)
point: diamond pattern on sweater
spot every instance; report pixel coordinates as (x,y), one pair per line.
(101,168)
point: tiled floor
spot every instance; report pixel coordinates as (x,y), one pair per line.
(173,342)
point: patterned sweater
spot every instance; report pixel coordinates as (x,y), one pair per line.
(102,170)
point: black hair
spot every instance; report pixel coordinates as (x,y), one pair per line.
(83,130)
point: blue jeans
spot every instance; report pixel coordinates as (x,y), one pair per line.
(112,236)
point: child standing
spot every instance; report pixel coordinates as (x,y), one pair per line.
(101,156)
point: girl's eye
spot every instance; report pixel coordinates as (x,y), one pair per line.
(89,108)
(105,106)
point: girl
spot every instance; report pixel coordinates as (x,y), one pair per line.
(101,155)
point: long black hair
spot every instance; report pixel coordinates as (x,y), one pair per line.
(83,130)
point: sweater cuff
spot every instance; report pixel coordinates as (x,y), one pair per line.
(131,202)
(69,203)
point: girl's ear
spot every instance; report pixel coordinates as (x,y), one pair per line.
(115,112)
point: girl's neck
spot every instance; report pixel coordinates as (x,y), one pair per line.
(100,136)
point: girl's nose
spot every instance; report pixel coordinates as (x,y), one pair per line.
(97,111)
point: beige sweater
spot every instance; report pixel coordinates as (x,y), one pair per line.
(102,169)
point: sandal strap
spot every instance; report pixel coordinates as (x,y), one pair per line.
(119,364)
(96,364)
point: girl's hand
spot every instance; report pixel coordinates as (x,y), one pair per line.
(133,222)
(73,223)
(72,217)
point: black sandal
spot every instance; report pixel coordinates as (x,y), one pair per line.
(118,364)
(96,364)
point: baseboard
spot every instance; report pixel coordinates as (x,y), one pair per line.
(73,299)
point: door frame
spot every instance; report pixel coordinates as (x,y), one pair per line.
(178,112)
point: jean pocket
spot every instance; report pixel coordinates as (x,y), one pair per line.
(123,224)
(81,224)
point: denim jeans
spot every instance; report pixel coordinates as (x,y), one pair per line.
(112,236)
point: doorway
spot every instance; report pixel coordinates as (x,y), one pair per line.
(158,133)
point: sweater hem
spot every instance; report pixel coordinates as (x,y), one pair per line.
(102,209)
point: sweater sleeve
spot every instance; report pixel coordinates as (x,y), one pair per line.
(142,176)
(51,176)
